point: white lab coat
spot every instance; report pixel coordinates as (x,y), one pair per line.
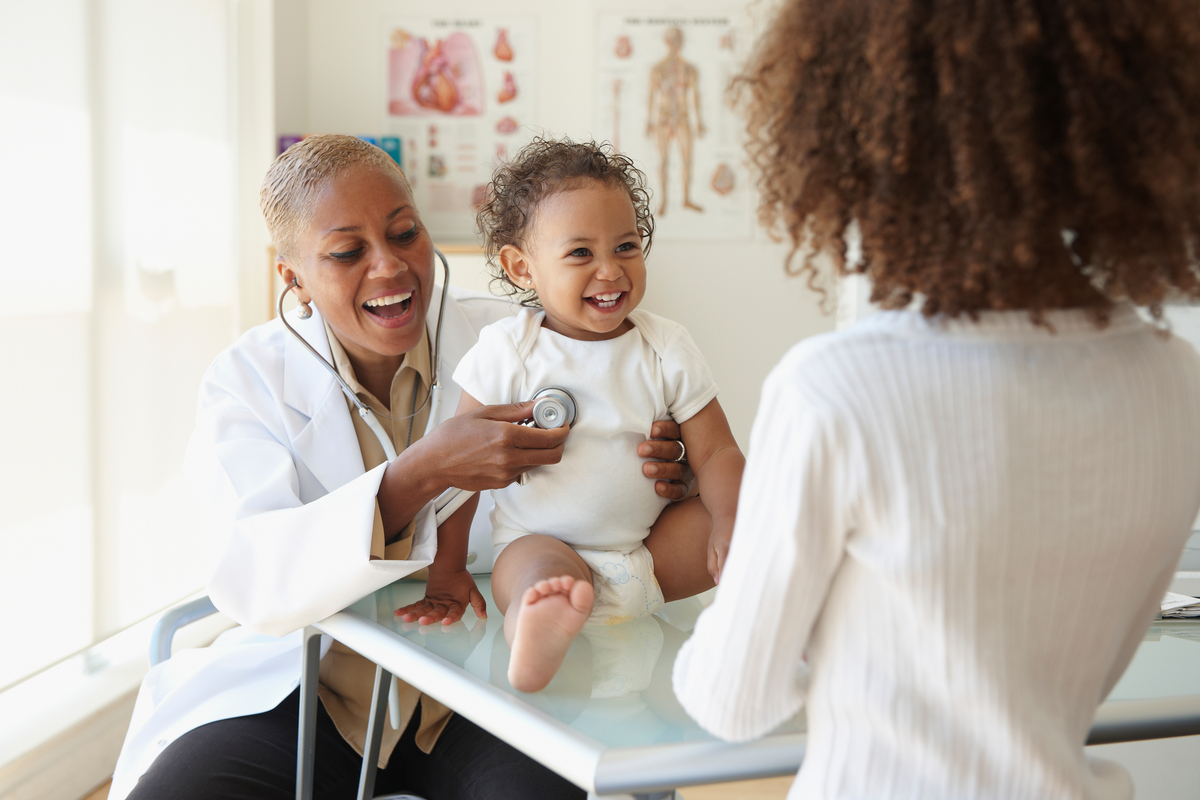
(276,463)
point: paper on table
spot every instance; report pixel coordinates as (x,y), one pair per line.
(1180,605)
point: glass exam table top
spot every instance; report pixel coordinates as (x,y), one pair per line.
(609,720)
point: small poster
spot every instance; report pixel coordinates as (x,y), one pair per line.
(461,96)
(661,96)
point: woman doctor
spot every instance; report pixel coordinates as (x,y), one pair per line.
(309,516)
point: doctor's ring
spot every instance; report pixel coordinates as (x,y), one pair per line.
(682,452)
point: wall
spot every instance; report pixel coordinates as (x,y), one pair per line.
(733,297)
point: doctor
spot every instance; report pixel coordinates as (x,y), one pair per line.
(307,515)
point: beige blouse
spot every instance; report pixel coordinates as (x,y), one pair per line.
(346,678)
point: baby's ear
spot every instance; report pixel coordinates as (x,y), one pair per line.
(515,264)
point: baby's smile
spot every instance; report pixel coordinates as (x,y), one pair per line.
(606,301)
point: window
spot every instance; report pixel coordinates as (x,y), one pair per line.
(119,217)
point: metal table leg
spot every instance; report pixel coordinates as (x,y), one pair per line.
(306,744)
(379,702)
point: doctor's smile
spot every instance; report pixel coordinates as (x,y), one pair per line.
(390,306)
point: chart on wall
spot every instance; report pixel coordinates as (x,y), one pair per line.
(461,96)
(661,100)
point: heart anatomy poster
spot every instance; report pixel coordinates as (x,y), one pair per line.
(662,100)
(461,96)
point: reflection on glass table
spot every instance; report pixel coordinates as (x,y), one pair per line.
(608,722)
(615,685)
(1166,665)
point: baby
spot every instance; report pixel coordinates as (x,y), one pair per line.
(566,230)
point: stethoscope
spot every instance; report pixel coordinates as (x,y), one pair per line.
(433,399)
(452,498)
(553,408)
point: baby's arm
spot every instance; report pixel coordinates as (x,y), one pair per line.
(450,585)
(714,456)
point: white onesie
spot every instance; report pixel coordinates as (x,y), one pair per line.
(596,498)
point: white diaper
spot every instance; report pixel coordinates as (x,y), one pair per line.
(624,583)
(626,588)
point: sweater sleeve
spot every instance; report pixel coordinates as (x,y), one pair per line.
(741,674)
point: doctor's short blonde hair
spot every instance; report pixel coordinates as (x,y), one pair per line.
(301,171)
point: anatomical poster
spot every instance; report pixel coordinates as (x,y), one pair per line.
(661,99)
(462,95)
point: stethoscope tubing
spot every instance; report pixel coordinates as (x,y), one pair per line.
(433,399)
(450,500)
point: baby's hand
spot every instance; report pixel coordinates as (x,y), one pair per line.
(446,598)
(718,549)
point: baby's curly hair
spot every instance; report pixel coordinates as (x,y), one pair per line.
(542,168)
(995,154)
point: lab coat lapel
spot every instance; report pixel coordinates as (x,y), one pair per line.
(323,436)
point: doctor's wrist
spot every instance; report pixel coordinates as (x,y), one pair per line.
(406,488)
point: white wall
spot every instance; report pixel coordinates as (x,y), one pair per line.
(733,297)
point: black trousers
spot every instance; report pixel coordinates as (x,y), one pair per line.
(254,758)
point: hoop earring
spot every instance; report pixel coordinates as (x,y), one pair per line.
(305,309)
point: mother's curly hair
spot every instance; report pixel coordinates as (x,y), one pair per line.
(995,154)
(542,168)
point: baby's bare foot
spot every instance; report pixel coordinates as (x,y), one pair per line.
(550,616)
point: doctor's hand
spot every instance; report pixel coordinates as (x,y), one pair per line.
(446,597)
(674,480)
(482,448)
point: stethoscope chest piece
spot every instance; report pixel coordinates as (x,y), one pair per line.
(553,408)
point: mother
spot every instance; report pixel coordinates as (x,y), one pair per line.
(308,515)
(959,516)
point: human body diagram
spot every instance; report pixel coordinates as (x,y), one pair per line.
(674,101)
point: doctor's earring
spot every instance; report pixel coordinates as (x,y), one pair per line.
(305,309)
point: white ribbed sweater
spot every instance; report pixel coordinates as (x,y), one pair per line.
(967,527)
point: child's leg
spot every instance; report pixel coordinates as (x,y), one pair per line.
(544,590)
(678,541)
